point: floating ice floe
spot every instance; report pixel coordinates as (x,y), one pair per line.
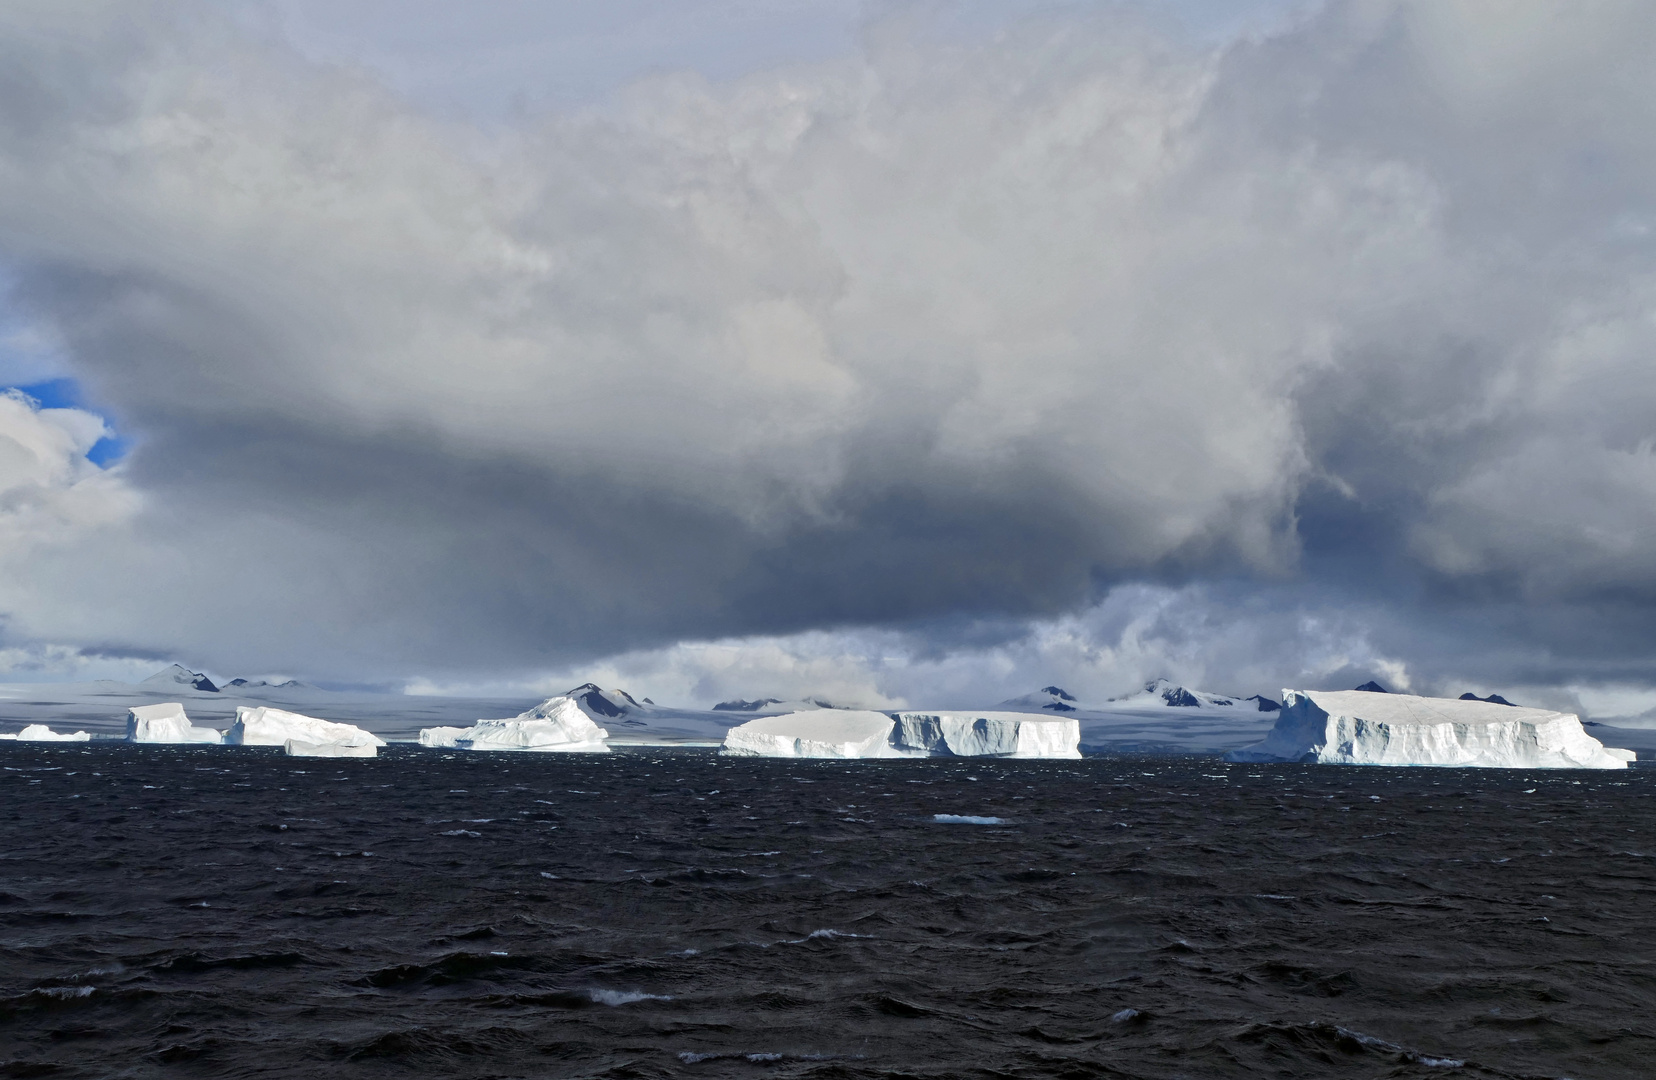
(264,726)
(1356,727)
(42,733)
(166,723)
(850,733)
(556,724)
(306,748)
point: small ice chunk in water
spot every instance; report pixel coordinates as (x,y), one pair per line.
(625,997)
(967,819)
(306,748)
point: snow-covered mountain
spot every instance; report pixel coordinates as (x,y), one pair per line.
(1049,698)
(610,706)
(181,678)
(772,705)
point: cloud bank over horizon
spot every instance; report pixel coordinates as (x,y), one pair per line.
(1084,350)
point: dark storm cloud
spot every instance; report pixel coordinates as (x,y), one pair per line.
(1077,350)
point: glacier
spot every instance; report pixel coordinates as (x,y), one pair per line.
(42,733)
(857,733)
(265,726)
(1359,727)
(556,724)
(166,723)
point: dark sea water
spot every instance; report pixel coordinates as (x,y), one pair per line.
(229,912)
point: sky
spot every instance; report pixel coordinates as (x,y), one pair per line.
(898,353)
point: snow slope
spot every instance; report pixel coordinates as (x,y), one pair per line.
(1356,727)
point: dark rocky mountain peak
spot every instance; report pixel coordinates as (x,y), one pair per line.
(746,706)
(1372,687)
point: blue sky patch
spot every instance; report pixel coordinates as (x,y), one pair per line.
(65,393)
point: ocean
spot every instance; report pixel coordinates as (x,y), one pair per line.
(231,912)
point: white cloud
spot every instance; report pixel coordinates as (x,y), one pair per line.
(945,332)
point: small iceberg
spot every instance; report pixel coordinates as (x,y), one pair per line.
(848,733)
(1361,727)
(42,733)
(556,725)
(166,723)
(264,726)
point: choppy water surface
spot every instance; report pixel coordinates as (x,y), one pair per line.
(231,912)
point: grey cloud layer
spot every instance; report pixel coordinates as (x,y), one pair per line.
(933,335)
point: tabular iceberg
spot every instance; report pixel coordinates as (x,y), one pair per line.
(987,734)
(166,723)
(1355,727)
(264,726)
(815,733)
(847,733)
(556,724)
(42,733)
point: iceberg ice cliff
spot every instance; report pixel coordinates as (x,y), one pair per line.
(166,723)
(1356,727)
(986,734)
(848,733)
(556,724)
(264,726)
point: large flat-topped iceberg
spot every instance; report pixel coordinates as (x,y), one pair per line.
(987,734)
(850,733)
(815,733)
(1356,727)
(555,725)
(166,723)
(264,726)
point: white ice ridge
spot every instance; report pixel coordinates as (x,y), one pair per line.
(42,733)
(847,733)
(265,726)
(556,724)
(166,723)
(1355,727)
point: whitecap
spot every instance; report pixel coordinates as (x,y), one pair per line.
(967,819)
(625,997)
